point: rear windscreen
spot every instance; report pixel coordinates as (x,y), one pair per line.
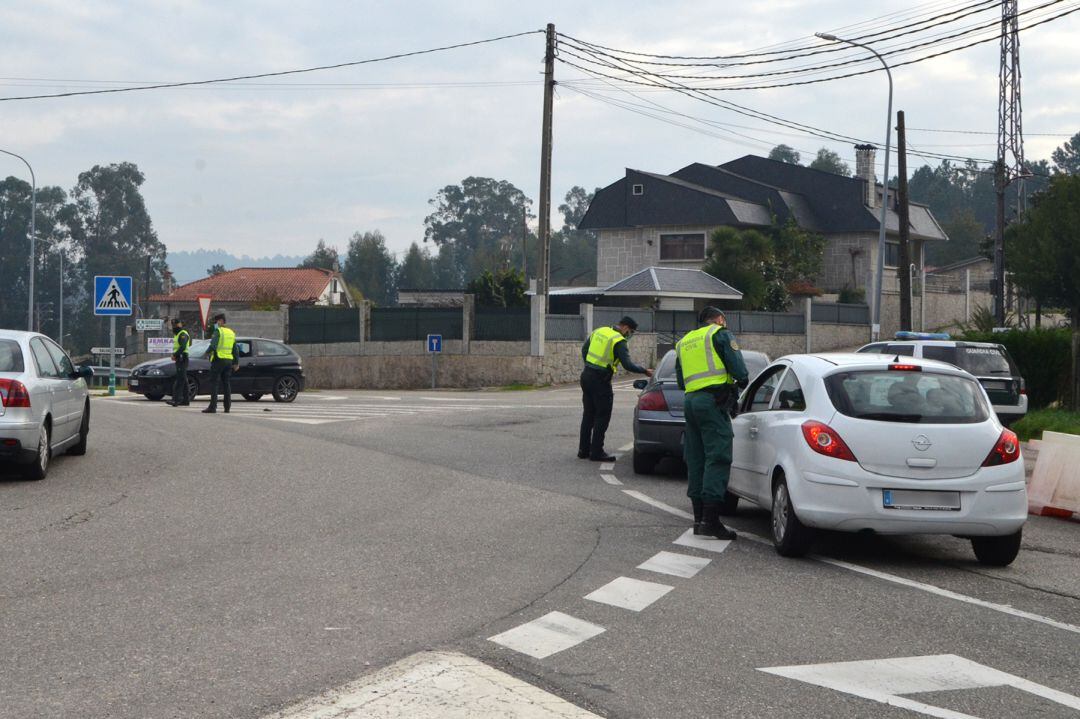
(979,361)
(916,397)
(666,370)
(11,359)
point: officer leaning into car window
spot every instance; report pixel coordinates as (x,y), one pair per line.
(223,358)
(181,342)
(709,367)
(604,350)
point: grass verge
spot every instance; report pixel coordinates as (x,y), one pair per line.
(1055,420)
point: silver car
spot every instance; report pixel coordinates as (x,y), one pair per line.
(44,403)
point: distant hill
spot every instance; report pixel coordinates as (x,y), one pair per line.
(190,266)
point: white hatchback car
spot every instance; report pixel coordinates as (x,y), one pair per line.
(861,442)
(44,403)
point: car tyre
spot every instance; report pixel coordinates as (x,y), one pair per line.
(729,505)
(791,537)
(79,448)
(252,396)
(192,388)
(286,388)
(645,463)
(155,397)
(39,468)
(997,551)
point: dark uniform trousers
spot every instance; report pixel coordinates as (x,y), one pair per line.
(597,398)
(180,388)
(707,444)
(221,374)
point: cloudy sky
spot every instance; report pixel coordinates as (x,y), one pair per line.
(271,166)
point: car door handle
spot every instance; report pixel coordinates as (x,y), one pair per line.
(753,431)
(250,364)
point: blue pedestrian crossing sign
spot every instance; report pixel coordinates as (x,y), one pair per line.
(112,296)
(434,343)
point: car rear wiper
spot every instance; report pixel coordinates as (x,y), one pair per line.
(890,417)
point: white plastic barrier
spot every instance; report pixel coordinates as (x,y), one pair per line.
(1055,484)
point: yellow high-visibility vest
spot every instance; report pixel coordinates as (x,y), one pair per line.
(226,342)
(701,364)
(602,348)
(176,341)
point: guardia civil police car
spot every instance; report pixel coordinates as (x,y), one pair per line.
(990,363)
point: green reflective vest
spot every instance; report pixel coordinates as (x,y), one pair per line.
(701,364)
(602,348)
(176,341)
(226,342)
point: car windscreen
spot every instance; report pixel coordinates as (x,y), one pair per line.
(904,396)
(11,359)
(979,361)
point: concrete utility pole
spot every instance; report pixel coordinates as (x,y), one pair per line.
(904,269)
(544,274)
(33,235)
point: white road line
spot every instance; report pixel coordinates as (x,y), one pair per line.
(628,593)
(688,539)
(459,399)
(626,447)
(885,576)
(610,479)
(677,565)
(657,503)
(547,635)
(436,685)
(607,467)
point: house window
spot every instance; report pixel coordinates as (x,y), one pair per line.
(682,247)
(892,254)
(638,189)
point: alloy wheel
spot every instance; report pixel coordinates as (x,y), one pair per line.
(43,448)
(287,388)
(780,510)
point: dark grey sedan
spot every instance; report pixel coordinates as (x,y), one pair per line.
(658,417)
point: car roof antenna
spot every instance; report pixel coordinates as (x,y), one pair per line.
(896,359)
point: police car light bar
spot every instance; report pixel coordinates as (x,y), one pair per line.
(923,336)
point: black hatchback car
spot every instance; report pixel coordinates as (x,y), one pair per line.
(265,367)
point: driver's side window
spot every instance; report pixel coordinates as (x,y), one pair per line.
(243,349)
(760,394)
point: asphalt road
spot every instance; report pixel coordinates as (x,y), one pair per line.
(230,566)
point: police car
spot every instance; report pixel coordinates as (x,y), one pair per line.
(990,363)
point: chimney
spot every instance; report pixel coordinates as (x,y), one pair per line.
(864,170)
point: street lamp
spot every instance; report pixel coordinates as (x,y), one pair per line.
(33,215)
(880,270)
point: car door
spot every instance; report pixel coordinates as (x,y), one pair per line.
(70,387)
(48,392)
(777,426)
(270,360)
(244,375)
(745,463)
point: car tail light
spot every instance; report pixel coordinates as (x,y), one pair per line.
(905,368)
(14,393)
(1006,450)
(823,439)
(1023,386)
(653,401)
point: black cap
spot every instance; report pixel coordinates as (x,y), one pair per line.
(219,316)
(709,314)
(629,322)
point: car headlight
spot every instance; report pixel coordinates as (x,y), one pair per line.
(154,372)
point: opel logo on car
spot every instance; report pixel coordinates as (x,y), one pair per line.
(922,443)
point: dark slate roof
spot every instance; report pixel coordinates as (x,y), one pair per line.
(673,282)
(962,264)
(748,191)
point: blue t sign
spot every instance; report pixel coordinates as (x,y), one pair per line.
(434,343)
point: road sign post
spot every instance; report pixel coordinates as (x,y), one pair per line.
(434,347)
(112,299)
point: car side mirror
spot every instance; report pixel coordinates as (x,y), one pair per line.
(85,372)
(641,383)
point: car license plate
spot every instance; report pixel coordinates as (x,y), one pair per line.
(995,384)
(133,383)
(920,499)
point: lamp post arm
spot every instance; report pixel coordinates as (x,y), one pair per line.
(33,216)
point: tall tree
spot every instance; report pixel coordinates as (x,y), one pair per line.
(829,161)
(215,270)
(323,258)
(416,271)
(573,251)
(505,288)
(1067,157)
(480,220)
(371,268)
(785,153)
(738,258)
(966,238)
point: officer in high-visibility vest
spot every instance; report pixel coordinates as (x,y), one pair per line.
(223,358)
(181,342)
(603,352)
(709,367)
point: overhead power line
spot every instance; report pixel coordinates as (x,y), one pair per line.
(280,73)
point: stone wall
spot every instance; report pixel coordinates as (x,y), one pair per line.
(846,262)
(944,310)
(271,325)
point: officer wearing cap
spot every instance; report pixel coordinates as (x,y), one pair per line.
(709,367)
(603,352)
(181,342)
(223,359)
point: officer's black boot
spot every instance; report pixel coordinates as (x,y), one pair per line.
(699,514)
(712,528)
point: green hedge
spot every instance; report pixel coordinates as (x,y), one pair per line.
(1042,356)
(1055,420)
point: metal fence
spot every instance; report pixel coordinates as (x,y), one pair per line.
(322,325)
(840,314)
(565,327)
(502,324)
(398,324)
(607,316)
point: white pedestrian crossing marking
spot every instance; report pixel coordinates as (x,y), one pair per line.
(629,593)
(610,479)
(547,635)
(677,565)
(688,539)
